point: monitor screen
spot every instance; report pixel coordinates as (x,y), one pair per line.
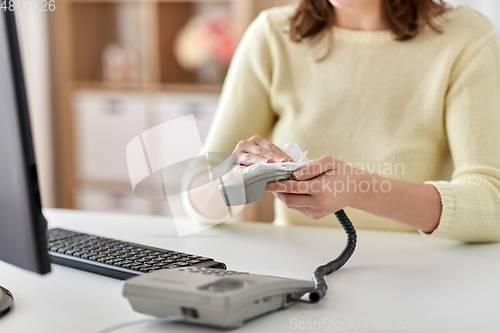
(22,225)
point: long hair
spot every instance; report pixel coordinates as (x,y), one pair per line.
(406,18)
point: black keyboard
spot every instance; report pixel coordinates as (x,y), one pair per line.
(115,258)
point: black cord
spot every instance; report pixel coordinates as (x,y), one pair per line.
(320,288)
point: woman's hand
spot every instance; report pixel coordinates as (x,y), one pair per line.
(252,151)
(259,150)
(320,188)
(328,185)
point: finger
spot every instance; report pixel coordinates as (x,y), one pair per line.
(289,186)
(311,186)
(281,187)
(278,154)
(243,146)
(310,213)
(264,152)
(283,157)
(261,147)
(295,200)
(235,171)
(322,165)
(250,159)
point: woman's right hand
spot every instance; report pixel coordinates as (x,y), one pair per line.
(259,150)
(252,151)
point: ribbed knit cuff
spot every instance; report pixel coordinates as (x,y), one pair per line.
(448,209)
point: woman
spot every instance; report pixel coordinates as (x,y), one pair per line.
(399,102)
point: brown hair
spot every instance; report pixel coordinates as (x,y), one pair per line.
(406,18)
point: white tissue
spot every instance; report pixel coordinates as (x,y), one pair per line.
(291,149)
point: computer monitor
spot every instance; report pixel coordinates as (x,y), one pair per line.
(22,226)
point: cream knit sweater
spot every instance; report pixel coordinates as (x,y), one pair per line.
(424,110)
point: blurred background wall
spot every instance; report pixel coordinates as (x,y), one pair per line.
(101,72)
(490,8)
(34,37)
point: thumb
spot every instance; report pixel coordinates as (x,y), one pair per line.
(316,168)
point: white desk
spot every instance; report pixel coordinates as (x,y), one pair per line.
(402,281)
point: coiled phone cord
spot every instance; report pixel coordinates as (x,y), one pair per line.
(320,288)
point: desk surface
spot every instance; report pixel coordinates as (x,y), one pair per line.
(394,281)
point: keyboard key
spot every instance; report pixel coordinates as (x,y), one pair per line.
(155,260)
(112,261)
(160,264)
(154,269)
(131,265)
(96,257)
(101,258)
(168,261)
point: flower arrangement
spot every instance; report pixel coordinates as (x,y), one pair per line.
(206,44)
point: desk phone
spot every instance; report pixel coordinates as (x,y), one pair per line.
(210,296)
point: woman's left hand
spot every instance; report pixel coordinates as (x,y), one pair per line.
(320,188)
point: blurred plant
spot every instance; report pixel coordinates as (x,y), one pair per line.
(206,44)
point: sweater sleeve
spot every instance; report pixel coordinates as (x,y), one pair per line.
(244,107)
(471,200)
